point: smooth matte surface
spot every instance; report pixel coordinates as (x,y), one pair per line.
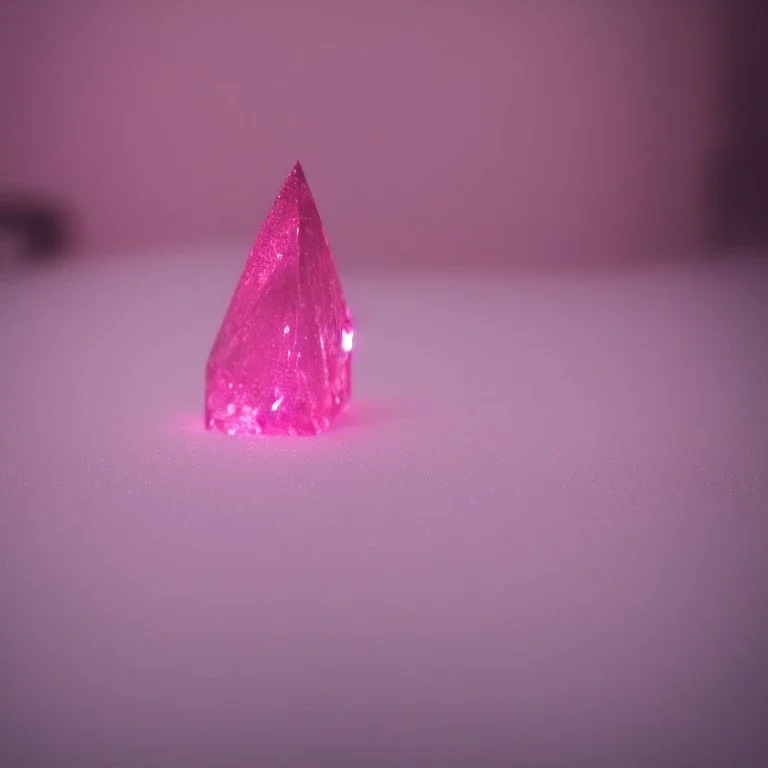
(539,537)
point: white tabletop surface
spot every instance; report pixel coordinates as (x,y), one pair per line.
(538,538)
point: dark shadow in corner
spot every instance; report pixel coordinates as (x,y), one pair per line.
(740,177)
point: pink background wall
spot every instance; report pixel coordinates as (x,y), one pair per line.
(459,132)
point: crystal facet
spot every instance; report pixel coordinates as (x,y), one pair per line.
(280,363)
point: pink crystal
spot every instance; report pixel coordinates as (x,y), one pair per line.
(281,360)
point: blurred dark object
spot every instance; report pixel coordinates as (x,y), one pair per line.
(741,187)
(36,230)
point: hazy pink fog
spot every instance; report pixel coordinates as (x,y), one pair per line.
(430,132)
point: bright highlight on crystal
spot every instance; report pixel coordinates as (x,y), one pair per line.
(281,360)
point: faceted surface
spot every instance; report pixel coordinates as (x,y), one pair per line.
(280,363)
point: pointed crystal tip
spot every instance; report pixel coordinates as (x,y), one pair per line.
(281,362)
(297,172)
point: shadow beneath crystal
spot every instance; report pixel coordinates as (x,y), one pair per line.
(369,412)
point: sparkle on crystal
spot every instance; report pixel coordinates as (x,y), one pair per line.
(281,360)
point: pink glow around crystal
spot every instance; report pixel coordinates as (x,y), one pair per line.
(281,360)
